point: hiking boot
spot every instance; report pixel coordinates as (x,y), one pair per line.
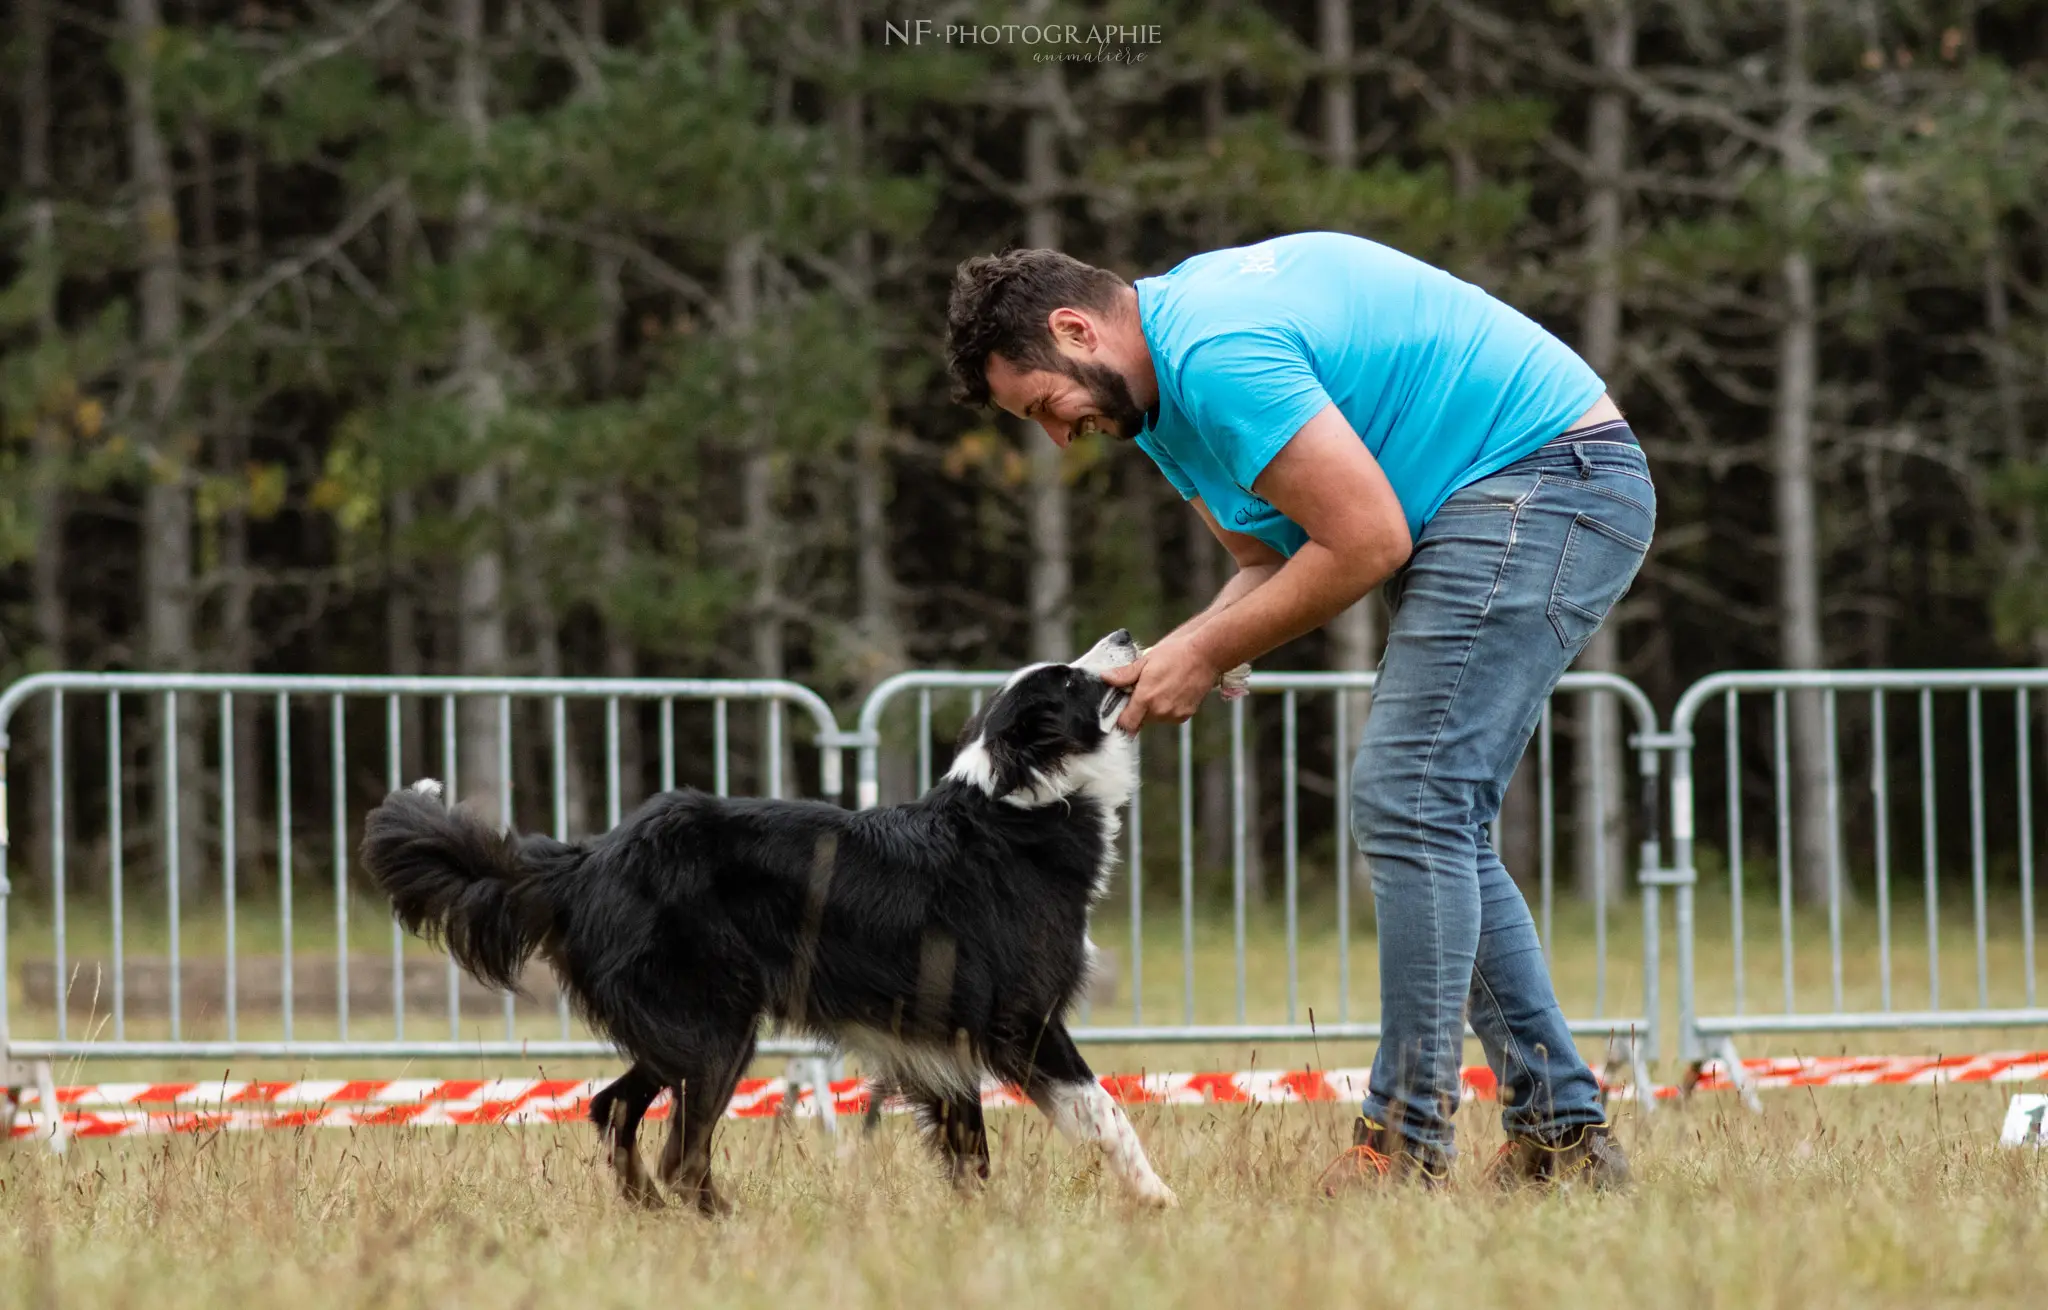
(1379,1155)
(1587,1156)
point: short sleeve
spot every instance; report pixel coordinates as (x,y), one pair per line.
(1175,474)
(1248,391)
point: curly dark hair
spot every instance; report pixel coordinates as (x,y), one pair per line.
(999,306)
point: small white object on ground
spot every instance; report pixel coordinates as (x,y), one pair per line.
(2026,1122)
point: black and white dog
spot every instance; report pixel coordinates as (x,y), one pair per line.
(943,940)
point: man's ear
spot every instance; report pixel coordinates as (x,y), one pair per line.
(1069,326)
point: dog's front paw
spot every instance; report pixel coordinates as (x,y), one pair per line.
(1157,1196)
(711,1204)
(639,1191)
(635,1186)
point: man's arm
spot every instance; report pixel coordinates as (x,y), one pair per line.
(1326,481)
(1256,563)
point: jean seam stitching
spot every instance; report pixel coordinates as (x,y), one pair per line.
(1513,1047)
(1564,564)
(1594,523)
(1610,493)
(1415,816)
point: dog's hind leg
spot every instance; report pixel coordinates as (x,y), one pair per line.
(672,1149)
(953,1128)
(686,1160)
(1060,1083)
(617,1112)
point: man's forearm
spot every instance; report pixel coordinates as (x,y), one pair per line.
(1240,584)
(1312,588)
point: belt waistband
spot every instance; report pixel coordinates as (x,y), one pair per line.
(1614,429)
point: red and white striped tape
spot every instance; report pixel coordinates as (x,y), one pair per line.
(133,1109)
(1879,1071)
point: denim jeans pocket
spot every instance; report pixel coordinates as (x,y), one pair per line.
(1593,573)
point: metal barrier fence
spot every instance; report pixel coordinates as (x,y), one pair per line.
(1633,1027)
(1877,719)
(456,716)
(1287,757)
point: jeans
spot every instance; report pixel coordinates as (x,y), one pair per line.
(1506,585)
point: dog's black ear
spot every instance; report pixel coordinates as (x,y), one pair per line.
(1023,735)
(977,722)
(1010,769)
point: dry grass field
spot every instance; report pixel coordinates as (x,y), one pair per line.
(1865,1198)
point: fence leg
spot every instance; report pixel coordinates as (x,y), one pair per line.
(821,1093)
(19,1073)
(1738,1077)
(814,1071)
(792,1087)
(53,1114)
(1629,1054)
(1730,1061)
(1626,1062)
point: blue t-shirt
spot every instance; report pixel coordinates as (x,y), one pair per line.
(1443,383)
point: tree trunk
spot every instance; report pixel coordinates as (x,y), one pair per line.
(481,645)
(882,649)
(615,524)
(1052,570)
(879,630)
(1797,511)
(403,647)
(614,510)
(615,516)
(1339,91)
(1354,634)
(1600,833)
(2013,446)
(234,639)
(762,527)
(46,580)
(581,786)
(169,623)
(402,651)
(248,257)
(49,470)
(1464,168)
(761,523)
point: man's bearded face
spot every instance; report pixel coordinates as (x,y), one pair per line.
(1116,413)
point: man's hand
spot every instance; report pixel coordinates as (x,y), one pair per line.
(1167,683)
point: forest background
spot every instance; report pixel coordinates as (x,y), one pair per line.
(604,337)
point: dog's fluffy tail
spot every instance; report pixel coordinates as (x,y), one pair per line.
(453,878)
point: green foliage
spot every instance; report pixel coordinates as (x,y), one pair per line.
(1509,131)
(2019,605)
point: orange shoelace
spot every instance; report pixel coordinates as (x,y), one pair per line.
(1354,1161)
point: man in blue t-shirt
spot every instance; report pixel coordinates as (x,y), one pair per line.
(1342,416)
